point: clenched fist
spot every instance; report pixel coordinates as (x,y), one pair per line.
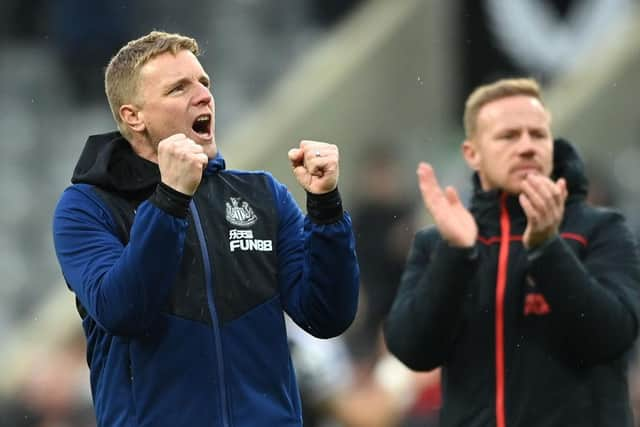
(315,166)
(181,163)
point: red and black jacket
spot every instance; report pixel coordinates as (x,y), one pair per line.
(525,338)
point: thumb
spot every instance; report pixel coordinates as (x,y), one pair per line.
(294,155)
(301,174)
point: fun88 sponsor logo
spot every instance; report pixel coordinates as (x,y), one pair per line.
(243,240)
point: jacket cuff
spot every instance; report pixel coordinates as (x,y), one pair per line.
(171,201)
(325,208)
(470,253)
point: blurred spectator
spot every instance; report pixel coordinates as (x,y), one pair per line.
(23,19)
(334,392)
(323,369)
(14,412)
(86,35)
(55,393)
(383,218)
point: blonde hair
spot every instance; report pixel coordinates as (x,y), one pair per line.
(122,75)
(485,94)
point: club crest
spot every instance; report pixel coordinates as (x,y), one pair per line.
(239,213)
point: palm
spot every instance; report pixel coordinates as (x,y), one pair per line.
(453,220)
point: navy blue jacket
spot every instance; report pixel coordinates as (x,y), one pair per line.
(184,310)
(537,338)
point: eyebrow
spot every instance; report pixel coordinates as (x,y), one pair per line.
(186,80)
(518,129)
(171,83)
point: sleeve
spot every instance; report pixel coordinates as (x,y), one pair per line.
(122,287)
(317,266)
(428,309)
(595,302)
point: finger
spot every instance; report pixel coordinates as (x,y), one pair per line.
(321,167)
(428,183)
(551,209)
(204,159)
(544,188)
(323,152)
(553,196)
(193,147)
(316,168)
(320,155)
(302,175)
(307,143)
(452,196)
(534,198)
(312,156)
(304,143)
(529,211)
(295,156)
(329,150)
(176,137)
(320,150)
(432,195)
(177,140)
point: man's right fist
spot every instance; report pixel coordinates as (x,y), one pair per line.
(181,163)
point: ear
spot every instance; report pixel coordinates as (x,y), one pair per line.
(471,154)
(132,117)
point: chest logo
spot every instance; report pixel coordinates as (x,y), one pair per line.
(536,304)
(239,213)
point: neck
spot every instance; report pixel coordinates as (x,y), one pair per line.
(144,148)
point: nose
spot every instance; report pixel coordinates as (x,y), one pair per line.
(203,95)
(526,146)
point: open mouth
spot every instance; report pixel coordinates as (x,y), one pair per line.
(202,125)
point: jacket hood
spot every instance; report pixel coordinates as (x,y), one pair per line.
(108,161)
(567,164)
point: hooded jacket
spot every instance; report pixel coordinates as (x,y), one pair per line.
(524,338)
(183,299)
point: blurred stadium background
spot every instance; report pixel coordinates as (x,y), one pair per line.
(359,73)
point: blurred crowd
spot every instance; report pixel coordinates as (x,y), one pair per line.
(349,381)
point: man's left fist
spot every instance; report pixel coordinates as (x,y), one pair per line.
(315,166)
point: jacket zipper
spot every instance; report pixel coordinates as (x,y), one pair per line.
(501,284)
(208,276)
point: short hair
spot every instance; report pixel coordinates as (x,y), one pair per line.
(503,88)
(122,75)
